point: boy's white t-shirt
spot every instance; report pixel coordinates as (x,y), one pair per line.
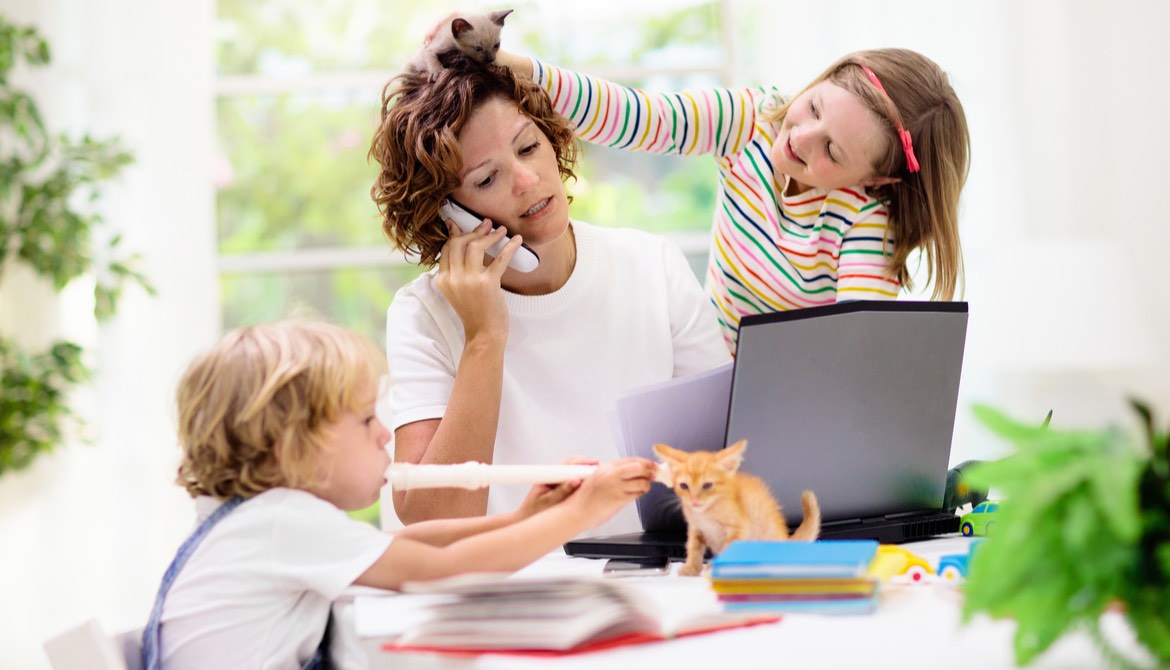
(257,591)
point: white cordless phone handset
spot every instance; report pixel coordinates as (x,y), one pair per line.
(524,260)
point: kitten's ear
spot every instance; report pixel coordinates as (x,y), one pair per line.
(460,26)
(668,453)
(664,474)
(731,457)
(670,457)
(498,17)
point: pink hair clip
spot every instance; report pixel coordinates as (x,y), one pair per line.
(903,134)
(908,149)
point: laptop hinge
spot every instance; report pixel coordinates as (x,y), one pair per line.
(920,512)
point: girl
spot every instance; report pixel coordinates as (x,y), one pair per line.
(279,436)
(493,364)
(821,198)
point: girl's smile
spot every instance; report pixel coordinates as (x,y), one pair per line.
(790,153)
(829,139)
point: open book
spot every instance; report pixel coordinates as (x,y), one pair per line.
(490,614)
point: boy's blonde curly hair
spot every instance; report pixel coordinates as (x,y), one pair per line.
(254,411)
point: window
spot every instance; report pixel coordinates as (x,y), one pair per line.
(298,98)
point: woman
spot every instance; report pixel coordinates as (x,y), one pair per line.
(495,365)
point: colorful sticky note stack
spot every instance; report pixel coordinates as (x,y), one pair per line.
(829,576)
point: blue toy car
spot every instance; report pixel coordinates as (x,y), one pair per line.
(953,567)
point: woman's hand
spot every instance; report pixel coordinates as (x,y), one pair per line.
(472,288)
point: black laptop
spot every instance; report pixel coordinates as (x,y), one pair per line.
(855,401)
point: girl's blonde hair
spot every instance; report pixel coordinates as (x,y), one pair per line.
(416,144)
(254,411)
(924,205)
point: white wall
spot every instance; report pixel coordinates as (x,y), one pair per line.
(88,531)
(1063,230)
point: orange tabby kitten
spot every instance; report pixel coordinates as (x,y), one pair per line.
(722,505)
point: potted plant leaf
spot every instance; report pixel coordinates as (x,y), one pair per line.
(48,186)
(1084,527)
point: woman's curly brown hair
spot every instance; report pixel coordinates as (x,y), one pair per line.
(416,144)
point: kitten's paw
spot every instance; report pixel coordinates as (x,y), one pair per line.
(688,570)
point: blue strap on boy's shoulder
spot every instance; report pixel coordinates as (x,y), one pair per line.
(151,647)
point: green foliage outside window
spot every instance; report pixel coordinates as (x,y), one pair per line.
(355,297)
(298,175)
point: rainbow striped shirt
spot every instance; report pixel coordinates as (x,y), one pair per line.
(769,252)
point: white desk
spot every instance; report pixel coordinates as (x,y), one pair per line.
(915,626)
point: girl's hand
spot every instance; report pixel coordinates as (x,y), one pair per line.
(613,486)
(472,288)
(544,496)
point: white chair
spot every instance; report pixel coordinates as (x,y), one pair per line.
(129,642)
(87,647)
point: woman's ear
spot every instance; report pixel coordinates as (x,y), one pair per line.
(880,181)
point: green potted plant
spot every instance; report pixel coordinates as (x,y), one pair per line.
(1084,527)
(48,187)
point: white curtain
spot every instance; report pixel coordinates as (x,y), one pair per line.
(88,531)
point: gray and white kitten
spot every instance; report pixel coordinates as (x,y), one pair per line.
(477,36)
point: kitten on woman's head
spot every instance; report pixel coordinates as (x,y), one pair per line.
(722,504)
(476,36)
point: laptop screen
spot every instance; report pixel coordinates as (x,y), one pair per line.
(854,401)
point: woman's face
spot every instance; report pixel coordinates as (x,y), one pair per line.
(510,174)
(829,139)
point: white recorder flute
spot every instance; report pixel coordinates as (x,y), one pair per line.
(474,475)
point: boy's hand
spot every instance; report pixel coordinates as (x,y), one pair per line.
(544,496)
(612,486)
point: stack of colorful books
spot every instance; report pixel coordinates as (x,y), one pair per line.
(829,576)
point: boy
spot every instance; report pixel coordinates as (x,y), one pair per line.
(279,438)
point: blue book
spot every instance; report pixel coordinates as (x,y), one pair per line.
(846,606)
(826,558)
